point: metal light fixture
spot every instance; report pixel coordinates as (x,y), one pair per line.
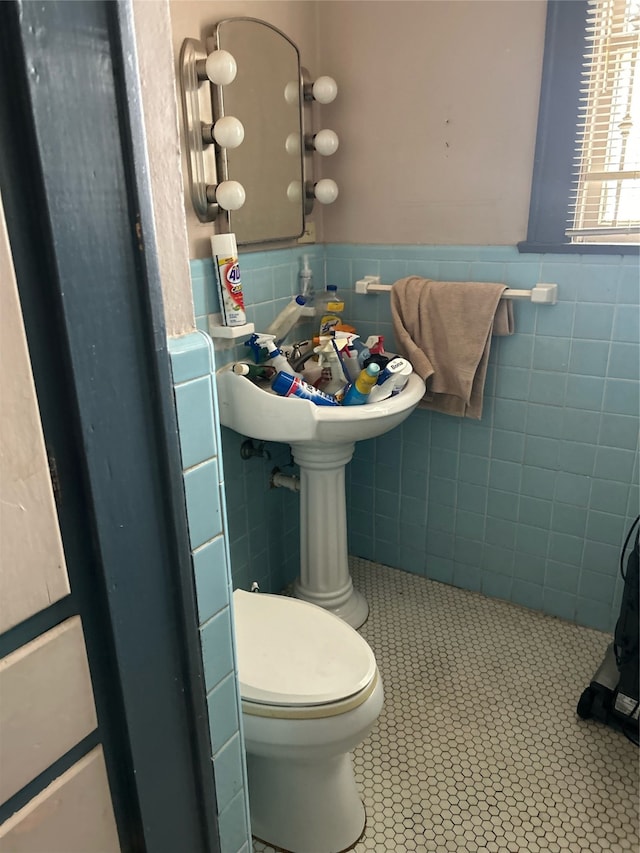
(211,189)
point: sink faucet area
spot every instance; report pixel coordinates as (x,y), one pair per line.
(322,440)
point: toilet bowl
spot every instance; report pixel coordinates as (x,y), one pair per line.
(311,693)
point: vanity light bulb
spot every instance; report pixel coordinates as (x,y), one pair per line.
(292,92)
(230,195)
(221,67)
(326,142)
(325,90)
(326,191)
(294,192)
(228,132)
(292,144)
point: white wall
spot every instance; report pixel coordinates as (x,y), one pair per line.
(155,64)
(437,115)
(436,111)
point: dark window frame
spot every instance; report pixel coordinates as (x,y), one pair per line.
(557,119)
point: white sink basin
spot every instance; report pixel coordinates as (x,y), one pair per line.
(260,413)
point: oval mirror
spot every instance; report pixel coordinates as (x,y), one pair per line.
(266,96)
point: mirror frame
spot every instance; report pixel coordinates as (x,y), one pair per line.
(218,107)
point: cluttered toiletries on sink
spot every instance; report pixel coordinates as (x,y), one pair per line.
(339,370)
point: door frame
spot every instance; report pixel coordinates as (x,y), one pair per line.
(77,198)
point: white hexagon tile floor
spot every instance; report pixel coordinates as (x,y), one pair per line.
(478,747)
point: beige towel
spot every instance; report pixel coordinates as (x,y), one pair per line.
(444,328)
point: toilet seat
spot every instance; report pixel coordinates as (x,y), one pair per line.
(297,660)
(309,712)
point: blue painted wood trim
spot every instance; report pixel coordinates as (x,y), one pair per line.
(81,227)
(557,119)
(565,43)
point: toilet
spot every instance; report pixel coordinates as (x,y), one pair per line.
(311,693)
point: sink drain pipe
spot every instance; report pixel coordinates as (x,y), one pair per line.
(280,480)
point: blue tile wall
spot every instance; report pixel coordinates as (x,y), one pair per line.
(531,503)
(264,530)
(193,366)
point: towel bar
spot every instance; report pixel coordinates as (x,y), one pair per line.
(546,294)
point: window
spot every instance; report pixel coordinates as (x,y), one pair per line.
(586,184)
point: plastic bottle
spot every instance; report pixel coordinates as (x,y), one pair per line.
(286,319)
(358,392)
(332,376)
(228,280)
(391,379)
(331,308)
(288,385)
(305,281)
(254,371)
(375,344)
(402,377)
(350,359)
(362,350)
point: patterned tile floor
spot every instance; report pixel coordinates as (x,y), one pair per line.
(478,747)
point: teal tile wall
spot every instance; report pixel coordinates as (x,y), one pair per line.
(531,503)
(193,366)
(264,530)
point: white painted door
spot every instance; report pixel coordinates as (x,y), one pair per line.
(46,697)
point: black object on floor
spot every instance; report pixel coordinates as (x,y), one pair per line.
(612,696)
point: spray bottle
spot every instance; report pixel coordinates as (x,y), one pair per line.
(350,358)
(276,358)
(332,376)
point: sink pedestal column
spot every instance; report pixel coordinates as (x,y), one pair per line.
(324,569)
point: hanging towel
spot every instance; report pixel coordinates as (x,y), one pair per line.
(444,328)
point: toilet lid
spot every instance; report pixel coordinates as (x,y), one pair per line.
(291,652)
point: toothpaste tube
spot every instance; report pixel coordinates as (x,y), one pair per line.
(227,272)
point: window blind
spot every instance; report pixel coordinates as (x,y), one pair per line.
(605,203)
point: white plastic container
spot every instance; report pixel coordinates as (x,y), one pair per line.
(286,319)
(391,380)
(305,279)
(332,375)
(228,279)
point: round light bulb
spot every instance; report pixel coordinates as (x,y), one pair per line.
(326,142)
(221,67)
(292,92)
(325,90)
(292,144)
(294,192)
(326,191)
(230,195)
(228,132)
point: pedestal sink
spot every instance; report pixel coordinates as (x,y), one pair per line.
(322,440)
